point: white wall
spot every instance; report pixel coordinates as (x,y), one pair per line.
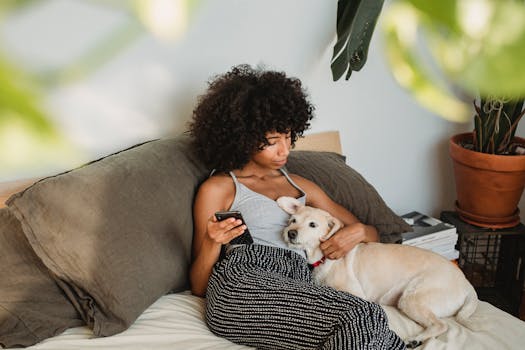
(149,90)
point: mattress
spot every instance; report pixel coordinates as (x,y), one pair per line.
(176,321)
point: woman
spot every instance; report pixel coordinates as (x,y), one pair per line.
(262,294)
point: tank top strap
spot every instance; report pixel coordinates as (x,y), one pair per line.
(291,181)
(234,178)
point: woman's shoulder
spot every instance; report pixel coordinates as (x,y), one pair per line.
(218,182)
(218,189)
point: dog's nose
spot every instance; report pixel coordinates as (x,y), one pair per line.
(292,234)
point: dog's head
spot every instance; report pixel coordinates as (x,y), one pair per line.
(307,226)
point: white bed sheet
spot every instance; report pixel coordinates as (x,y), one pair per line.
(176,321)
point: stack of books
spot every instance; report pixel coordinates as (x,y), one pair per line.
(432,234)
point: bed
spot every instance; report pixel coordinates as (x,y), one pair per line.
(97,257)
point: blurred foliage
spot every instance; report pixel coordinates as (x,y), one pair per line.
(29,139)
(94,57)
(477,48)
(19,92)
(7,5)
(160,17)
(19,96)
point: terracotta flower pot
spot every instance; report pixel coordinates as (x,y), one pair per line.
(488,186)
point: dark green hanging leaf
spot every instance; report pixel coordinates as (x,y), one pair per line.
(356,21)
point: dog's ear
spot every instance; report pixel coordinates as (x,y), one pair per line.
(334,224)
(289,204)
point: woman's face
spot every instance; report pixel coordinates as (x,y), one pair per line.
(275,154)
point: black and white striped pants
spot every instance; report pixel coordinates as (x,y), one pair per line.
(264,297)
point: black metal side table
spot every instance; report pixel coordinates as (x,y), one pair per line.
(492,261)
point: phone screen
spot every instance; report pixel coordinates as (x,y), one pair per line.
(246,237)
(223,215)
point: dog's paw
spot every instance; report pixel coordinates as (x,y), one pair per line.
(413,344)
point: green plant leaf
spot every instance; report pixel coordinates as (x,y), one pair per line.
(496,121)
(356,21)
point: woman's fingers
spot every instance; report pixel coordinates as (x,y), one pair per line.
(224,231)
(229,223)
(329,250)
(237,231)
(332,254)
(332,248)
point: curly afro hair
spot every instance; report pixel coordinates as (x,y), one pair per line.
(231,120)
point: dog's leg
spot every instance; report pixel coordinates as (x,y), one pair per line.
(469,307)
(413,303)
(433,325)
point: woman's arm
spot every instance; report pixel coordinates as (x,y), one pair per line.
(353,233)
(209,234)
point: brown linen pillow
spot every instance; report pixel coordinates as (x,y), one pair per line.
(116,232)
(32,306)
(348,188)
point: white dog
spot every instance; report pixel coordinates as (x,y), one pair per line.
(422,284)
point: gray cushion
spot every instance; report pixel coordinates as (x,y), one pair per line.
(348,188)
(116,232)
(32,306)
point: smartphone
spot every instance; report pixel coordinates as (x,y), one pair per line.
(245,237)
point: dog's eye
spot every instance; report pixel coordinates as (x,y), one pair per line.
(292,220)
(313,224)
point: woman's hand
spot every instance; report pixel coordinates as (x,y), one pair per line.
(224,231)
(344,240)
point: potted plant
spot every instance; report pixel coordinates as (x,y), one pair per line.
(489,165)
(478,51)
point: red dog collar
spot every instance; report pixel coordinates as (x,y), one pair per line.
(319,262)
